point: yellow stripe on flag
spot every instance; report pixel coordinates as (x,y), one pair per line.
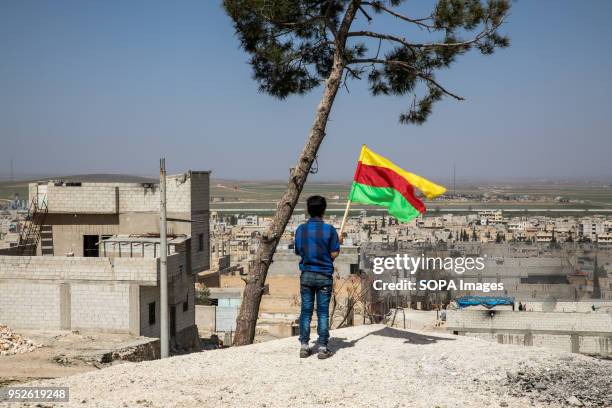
(429,189)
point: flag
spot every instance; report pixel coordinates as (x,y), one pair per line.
(380,182)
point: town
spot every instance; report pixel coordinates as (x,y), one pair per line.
(358,204)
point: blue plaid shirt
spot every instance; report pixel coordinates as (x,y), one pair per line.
(314,242)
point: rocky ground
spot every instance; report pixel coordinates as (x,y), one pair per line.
(373,366)
(50,354)
(13,343)
(580,383)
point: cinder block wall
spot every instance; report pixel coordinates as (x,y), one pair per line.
(182,289)
(553,321)
(73,293)
(100,307)
(30,305)
(589,333)
(200,214)
(68,230)
(89,198)
(129,208)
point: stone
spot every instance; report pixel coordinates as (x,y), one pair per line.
(13,343)
(512,375)
(573,401)
(540,386)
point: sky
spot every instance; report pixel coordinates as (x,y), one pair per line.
(112,86)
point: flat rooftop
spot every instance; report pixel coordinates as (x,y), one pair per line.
(145,239)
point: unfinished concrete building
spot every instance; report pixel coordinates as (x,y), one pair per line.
(80,214)
(89,257)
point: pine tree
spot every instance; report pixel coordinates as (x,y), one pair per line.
(297,45)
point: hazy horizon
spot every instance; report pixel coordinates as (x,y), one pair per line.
(110,87)
(446,181)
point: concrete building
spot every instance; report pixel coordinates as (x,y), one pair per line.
(81,214)
(104,294)
(490,217)
(97,262)
(591,228)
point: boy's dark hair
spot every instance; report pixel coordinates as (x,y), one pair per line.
(316,206)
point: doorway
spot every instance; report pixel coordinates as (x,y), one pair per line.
(90,246)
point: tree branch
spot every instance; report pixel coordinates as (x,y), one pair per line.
(408,67)
(377,5)
(328,22)
(485,32)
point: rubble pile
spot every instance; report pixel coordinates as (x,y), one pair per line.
(13,343)
(581,384)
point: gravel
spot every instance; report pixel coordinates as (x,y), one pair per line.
(13,343)
(581,383)
(373,366)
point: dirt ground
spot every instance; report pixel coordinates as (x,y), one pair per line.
(64,353)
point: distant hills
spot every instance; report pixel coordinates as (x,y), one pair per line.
(92,178)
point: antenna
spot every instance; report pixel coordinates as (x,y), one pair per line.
(454,180)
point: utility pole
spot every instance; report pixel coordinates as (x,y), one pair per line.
(163,265)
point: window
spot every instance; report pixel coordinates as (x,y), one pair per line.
(151,313)
(172,321)
(200,242)
(186,303)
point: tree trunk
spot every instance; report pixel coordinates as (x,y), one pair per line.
(249,309)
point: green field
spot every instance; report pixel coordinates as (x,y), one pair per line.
(591,194)
(261,197)
(8,190)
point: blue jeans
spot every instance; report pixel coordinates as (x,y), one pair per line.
(317,285)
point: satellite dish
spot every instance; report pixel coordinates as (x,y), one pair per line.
(549,304)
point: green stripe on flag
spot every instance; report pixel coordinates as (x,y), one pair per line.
(388,197)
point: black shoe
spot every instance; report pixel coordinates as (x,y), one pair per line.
(324,353)
(305,352)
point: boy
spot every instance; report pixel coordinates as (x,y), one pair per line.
(318,245)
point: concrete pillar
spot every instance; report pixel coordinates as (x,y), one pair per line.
(135,309)
(65,303)
(575,339)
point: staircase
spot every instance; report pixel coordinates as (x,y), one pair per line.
(32,227)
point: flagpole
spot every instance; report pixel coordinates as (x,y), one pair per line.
(346,211)
(348,198)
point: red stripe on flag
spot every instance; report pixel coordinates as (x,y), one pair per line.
(383,177)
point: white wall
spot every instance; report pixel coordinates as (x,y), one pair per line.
(78,293)
(30,305)
(589,333)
